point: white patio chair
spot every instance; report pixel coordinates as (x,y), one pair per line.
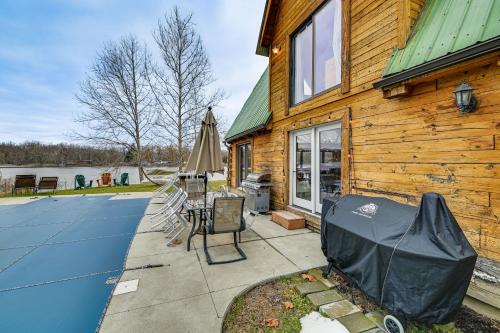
(174,222)
(169,200)
(162,190)
(168,215)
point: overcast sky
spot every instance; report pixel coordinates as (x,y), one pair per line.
(46,46)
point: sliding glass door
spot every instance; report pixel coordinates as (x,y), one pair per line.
(316,165)
(301,164)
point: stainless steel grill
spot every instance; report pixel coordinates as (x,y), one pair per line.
(257,188)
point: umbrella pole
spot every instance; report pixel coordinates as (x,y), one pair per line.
(206,181)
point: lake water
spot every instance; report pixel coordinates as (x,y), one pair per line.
(67,175)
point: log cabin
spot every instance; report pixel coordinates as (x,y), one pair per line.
(365,97)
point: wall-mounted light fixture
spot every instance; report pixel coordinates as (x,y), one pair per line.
(276,49)
(464,98)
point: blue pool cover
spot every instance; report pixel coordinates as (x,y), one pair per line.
(60,259)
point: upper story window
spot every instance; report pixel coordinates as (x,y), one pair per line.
(317,53)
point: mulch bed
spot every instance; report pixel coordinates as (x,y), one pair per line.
(250,312)
(253,311)
(470,321)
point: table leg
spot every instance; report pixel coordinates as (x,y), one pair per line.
(192,233)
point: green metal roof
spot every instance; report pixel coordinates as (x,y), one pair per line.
(255,112)
(444,27)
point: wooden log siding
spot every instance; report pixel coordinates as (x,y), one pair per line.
(401,147)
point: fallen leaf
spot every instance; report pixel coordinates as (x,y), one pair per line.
(273,323)
(308,277)
(175,242)
(287,305)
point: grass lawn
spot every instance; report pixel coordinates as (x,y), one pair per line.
(159,172)
(103,190)
(216,184)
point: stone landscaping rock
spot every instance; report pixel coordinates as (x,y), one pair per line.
(357,322)
(339,309)
(318,274)
(324,297)
(310,287)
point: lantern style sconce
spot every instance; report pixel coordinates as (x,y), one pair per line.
(464,98)
(276,49)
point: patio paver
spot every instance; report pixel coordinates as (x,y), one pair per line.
(324,297)
(357,322)
(318,274)
(310,287)
(339,309)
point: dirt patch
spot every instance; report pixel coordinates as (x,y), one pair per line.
(257,310)
(470,321)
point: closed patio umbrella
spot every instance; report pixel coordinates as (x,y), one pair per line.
(206,155)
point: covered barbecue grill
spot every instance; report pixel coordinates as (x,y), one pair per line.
(257,188)
(414,261)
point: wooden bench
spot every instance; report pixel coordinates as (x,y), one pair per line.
(24,182)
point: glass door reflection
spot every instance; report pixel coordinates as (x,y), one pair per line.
(329,163)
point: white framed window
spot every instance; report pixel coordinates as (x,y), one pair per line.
(317,53)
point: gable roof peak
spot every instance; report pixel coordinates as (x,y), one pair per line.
(267,26)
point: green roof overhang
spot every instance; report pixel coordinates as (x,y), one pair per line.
(254,115)
(447,32)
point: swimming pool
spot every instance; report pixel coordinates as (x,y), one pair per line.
(60,259)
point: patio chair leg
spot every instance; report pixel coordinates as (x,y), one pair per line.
(205,247)
(239,235)
(209,259)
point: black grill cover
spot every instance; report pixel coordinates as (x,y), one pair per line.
(415,261)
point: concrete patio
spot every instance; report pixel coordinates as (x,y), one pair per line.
(187,295)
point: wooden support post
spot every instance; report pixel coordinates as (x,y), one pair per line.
(400,90)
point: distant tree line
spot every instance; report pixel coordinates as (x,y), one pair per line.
(41,154)
(38,154)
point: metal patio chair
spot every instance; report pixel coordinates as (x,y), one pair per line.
(174,207)
(162,190)
(195,189)
(226,216)
(175,222)
(167,202)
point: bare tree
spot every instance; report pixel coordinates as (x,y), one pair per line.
(181,83)
(118,97)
